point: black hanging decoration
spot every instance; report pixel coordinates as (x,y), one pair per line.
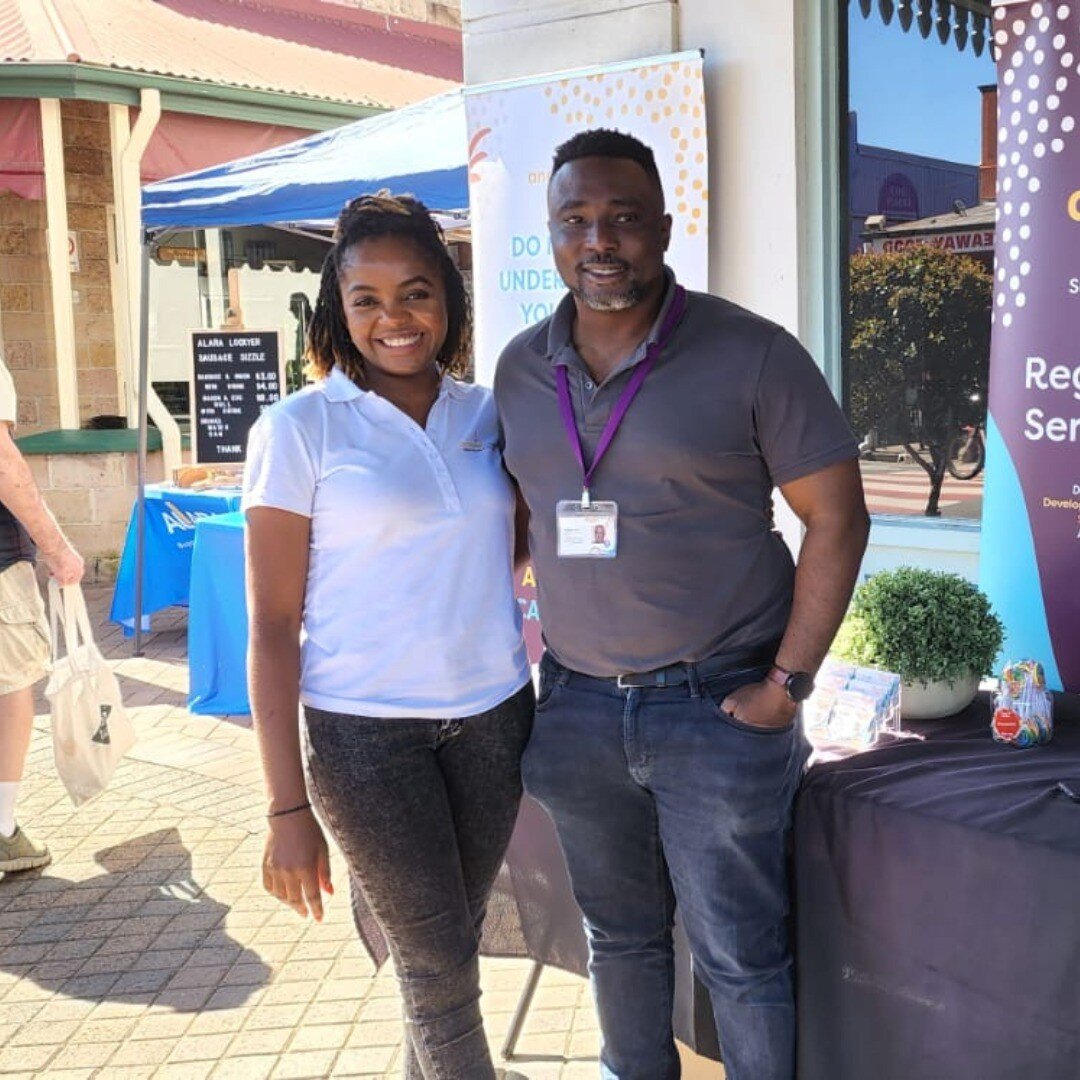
(965,21)
(944,29)
(925,20)
(961,32)
(978,34)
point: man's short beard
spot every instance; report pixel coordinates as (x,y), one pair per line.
(609,301)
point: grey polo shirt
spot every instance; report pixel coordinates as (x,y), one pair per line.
(734,407)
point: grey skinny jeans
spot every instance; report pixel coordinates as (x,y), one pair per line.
(423,811)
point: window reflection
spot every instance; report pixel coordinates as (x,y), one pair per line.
(920,183)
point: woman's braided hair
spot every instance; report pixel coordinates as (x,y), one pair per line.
(371,217)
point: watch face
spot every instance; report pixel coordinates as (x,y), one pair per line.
(800,685)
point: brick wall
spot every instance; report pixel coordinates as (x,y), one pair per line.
(25,294)
(88,176)
(26,312)
(438,12)
(92,495)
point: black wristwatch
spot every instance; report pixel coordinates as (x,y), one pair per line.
(798,685)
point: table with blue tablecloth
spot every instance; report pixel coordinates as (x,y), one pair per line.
(171,516)
(217,619)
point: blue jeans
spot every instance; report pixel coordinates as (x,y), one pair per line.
(660,797)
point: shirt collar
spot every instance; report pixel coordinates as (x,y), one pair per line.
(337,386)
(560,332)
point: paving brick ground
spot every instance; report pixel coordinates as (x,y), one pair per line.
(149,949)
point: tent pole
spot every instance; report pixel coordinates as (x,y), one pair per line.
(522,1010)
(144,378)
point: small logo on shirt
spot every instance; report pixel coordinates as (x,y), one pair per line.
(476,443)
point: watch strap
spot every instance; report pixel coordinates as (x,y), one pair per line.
(798,685)
(779,675)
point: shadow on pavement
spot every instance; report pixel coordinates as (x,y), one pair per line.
(136,692)
(144,931)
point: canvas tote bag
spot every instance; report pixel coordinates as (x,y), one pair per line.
(91,731)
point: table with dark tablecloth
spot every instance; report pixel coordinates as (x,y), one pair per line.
(938,907)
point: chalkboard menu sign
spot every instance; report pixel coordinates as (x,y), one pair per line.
(236,374)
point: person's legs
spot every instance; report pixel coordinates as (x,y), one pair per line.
(724,794)
(583,765)
(24,660)
(481,767)
(16,722)
(380,788)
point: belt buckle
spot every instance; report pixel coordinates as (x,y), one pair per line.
(653,680)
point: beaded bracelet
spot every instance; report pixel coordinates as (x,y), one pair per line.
(291,810)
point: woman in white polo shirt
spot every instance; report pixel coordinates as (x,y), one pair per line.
(380,541)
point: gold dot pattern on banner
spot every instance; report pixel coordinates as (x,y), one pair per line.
(660,104)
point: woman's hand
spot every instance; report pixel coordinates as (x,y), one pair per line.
(296,863)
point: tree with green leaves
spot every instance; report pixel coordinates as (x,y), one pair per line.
(919,351)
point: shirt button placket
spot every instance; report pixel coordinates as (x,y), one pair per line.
(442,475)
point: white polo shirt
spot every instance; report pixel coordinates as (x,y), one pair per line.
(409,609)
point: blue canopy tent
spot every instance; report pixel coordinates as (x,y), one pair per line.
(421,149)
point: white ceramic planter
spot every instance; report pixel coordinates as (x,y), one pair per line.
(921,700)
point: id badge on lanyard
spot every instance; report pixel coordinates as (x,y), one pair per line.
(588,528)
(587,531)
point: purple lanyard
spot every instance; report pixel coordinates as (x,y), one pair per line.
(641,373)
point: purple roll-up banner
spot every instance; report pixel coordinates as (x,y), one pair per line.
(1030,552)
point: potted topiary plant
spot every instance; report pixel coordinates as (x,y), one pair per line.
(935,630)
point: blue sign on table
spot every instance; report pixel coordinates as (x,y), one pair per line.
(171,515)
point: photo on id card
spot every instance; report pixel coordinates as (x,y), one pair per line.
(587,532)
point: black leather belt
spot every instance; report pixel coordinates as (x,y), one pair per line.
(717,664)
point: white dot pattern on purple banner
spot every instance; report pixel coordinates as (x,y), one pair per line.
(1039,52)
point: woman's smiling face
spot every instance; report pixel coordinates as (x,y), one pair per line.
(395,307)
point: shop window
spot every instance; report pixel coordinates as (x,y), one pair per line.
(258,252)
(918,267)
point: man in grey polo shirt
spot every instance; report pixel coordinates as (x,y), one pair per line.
(667,746)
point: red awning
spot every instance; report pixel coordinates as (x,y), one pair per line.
(22,159)
(183,142)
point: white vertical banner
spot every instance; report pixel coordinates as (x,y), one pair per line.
(514,128)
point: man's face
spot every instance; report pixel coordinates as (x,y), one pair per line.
(609,232)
